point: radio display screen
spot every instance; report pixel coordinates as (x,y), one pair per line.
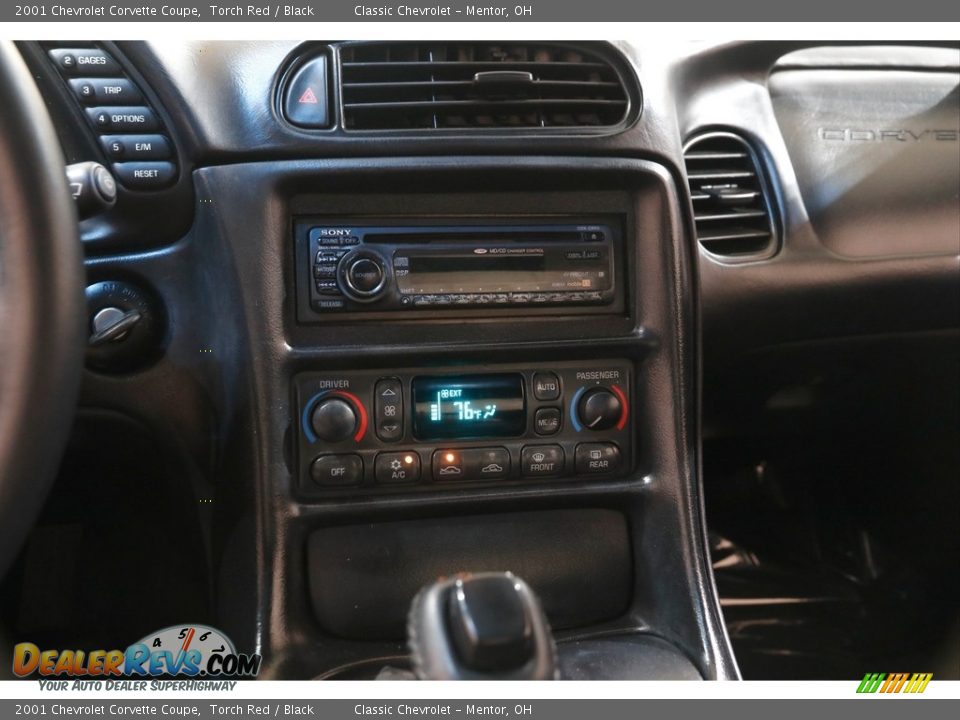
(464,407)
(501,269)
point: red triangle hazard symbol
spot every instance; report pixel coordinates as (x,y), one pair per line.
(308,97)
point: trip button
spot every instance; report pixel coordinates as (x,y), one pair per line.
(136,147)
(397,467)
(547,421)
(84,61)
(448,465)
(337,470)
(597,458)
(546,386)
(388,409)
(145,175)
(134,118)
(540,460)
(106,91)
(487,463)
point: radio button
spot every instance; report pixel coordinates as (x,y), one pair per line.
(487,463)
(597,458)
(337,470)
(328,287)
(448,465)
(547,421)
(325,271)
(388,409)
(546,386)
(397,467)
(541,460)
(365,275)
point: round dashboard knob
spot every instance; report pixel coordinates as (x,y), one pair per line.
(333,419)
(599,409)
(364,276)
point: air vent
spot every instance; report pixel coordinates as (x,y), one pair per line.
(730,204)
(426,86)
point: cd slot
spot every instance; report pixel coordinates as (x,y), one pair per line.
(444,235)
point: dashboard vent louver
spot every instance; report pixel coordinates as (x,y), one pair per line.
(475,85)
(730,205)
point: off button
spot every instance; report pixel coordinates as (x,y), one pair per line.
(337,470)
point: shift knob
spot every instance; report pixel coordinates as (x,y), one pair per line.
(484,626)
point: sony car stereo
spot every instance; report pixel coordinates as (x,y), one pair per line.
(469,266)
(364,431)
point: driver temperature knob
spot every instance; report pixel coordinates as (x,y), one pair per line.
(334,419)
(599,409)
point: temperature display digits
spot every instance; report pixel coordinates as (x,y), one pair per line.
(466,407)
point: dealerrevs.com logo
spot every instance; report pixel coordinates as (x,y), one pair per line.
(191,651)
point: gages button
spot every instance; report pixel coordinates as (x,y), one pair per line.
(337,470)
(541,460)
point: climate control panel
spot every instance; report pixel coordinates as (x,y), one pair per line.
(361,432)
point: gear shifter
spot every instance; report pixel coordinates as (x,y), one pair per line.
(486,626)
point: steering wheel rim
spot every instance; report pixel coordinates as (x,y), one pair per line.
(41,304)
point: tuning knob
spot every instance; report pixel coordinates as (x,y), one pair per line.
(334,419)
(363,276)
(599,409)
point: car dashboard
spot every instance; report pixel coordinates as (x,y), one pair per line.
(411,309)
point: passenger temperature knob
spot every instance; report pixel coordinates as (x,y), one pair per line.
(599,409)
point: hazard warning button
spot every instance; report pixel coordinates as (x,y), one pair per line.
(305,98)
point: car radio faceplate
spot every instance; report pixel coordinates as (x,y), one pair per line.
(560,265)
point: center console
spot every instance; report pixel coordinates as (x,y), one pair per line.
(479,364)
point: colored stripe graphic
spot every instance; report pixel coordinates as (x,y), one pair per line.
(887,683)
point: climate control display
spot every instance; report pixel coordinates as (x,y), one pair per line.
(467,407)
